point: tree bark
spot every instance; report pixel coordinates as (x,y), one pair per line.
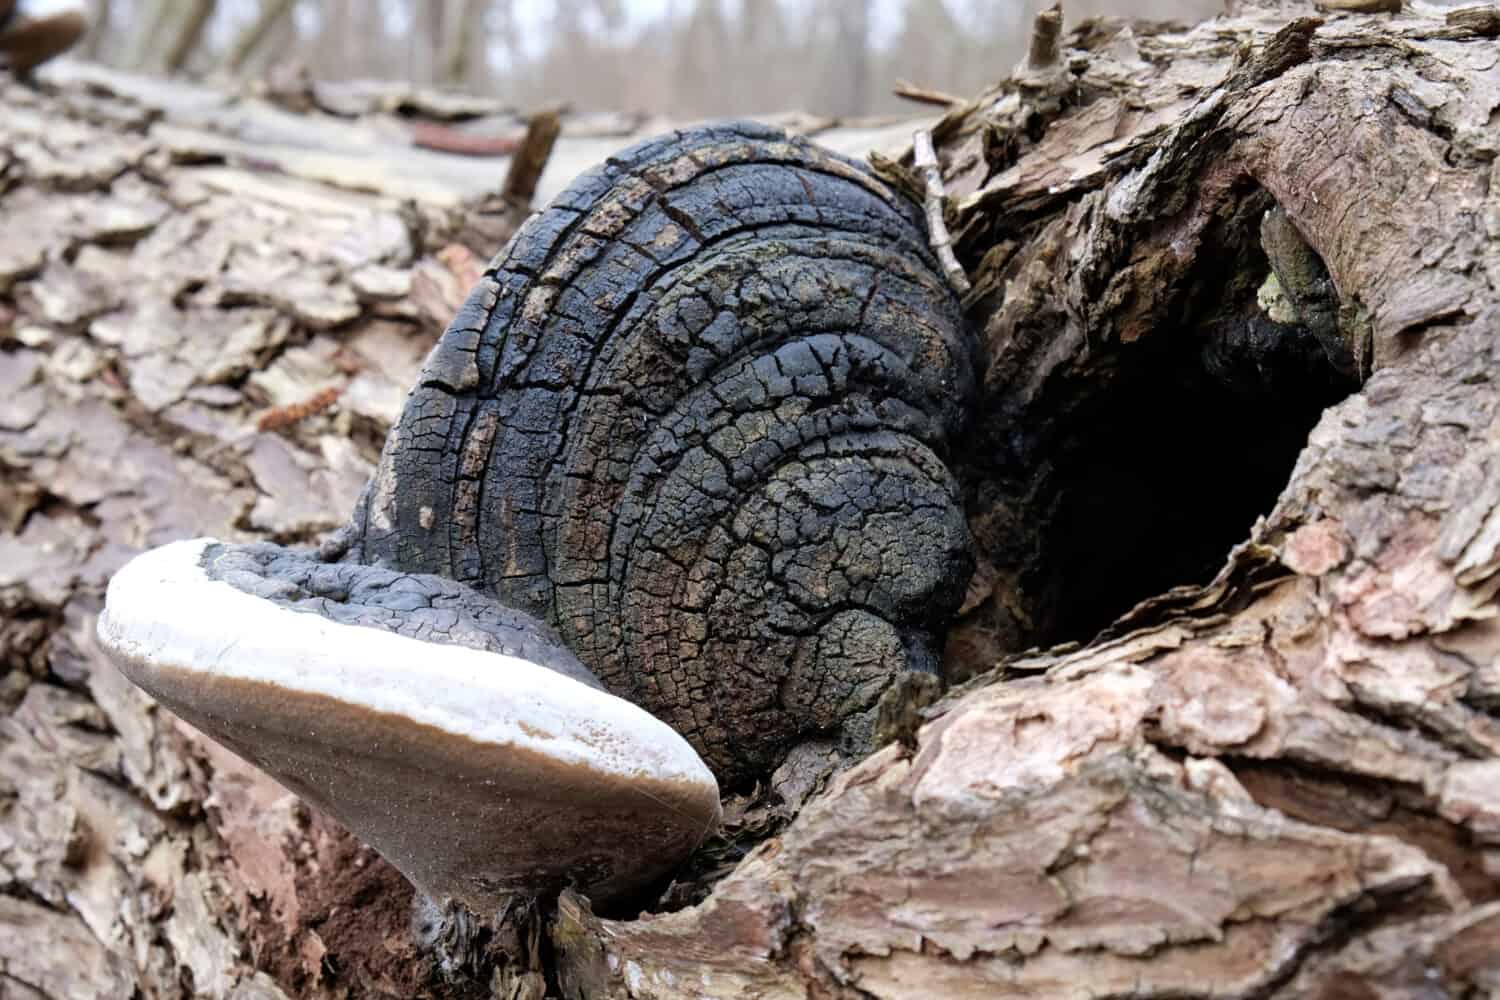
(1278,778)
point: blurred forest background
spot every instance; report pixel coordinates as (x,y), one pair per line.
(683,58)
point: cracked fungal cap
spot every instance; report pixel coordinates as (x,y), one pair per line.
(484,765)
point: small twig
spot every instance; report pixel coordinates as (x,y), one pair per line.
(531,158)
(284,416)
(925,160)
(924,95)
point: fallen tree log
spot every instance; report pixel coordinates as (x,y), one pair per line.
(1170,773)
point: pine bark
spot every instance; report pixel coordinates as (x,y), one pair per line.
(1281,780)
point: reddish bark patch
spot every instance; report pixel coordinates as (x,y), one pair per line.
(1315,549)
(319,909)
(360,907)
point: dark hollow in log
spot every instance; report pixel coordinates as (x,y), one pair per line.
(1178,441)
(1139,468)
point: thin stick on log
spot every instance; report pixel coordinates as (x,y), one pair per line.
(907,90)
(276,418)
(925,160)
(531,159)
(284,416)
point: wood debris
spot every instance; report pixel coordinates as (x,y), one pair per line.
(937,228)
(925,95)
(284,416)
(447,139)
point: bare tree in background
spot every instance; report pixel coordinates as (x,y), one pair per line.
(254,34)
(188,21)
(331,52)
(99,29)
(696,58)
(847,71)
(151,16)
(463,28)
(759,61)
(698,50)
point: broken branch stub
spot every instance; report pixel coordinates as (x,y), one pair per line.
(529,158)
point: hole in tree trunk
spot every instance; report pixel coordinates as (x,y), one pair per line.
(1171,467)
(1154,465)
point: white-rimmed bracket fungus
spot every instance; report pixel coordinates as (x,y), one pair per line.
(456,737)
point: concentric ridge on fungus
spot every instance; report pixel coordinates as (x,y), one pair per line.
(693,419)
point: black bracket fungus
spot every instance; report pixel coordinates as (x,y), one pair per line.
(682,452)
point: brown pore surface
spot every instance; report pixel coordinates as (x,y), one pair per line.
(472,821)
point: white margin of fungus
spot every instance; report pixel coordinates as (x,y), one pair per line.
(163,611)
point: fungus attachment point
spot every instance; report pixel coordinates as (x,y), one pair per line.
(484,766)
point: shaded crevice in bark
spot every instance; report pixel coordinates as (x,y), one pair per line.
(1357,804)
(1136,468)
